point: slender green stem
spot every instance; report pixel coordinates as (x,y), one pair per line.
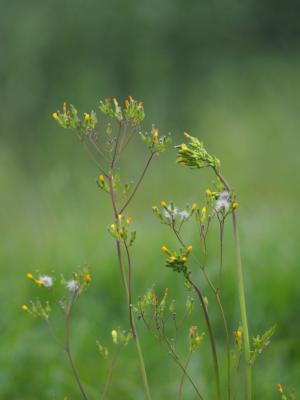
(240,282)
(67,346)
(181,366)
(109,375)
(211,336)
(180,390)
(241,293)
(125,284)
(138,182)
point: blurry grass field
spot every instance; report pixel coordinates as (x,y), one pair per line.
(53,218)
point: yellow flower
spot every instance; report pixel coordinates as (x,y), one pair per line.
(87,116)
(101,178)
(29,276)
(165,249)
(154,208)
(184,148)
(114,335)
(163,203)
(155,135)
(172,258)
(88,278)
(39,282)
(25,308)
(203,212)
(190,248)
(65,106)
(55,115)
(194,206)
(235,205)
(184,258)
(112,226)
(208,192)
(237,334)
(198,339)
(280,388)
(119,217)
(128,219)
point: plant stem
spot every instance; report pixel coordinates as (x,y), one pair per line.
(240,282)
(211,336)
(241,292)
(181,366)
(125,284)
(67,346)
(109,375)
(180,390)
(138,182)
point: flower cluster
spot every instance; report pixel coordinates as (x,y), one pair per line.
(120,337)
(121,229)
(69,118)
(170,215)
(194,155)
(79,283)
(177,260)
(133,112)
(195,339)
(156,144)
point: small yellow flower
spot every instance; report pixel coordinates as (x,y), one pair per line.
(154,208)
(184,148)
(155,135)
(87,116)
(208,192)
(172,258)
(29,276)
(25,308)
(190,248)
(39,282)
(114,335)
(235,205)
(113,226)
(119,217)
(163,204)
(194,206)
(203,212)
(165,249)
(184,258)
(237,334)
(129,219)
(88,278)
(65,106)
(55,115)
(198,339)
(101,178)
(280,388)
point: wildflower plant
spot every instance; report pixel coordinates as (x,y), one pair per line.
(106,138)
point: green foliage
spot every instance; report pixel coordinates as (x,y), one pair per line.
(261,342)
(194,155)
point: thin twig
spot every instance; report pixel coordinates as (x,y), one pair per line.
(110,371)
(138,182)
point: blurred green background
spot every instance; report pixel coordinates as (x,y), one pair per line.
(228,72)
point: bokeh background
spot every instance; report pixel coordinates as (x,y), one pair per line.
(228,72)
